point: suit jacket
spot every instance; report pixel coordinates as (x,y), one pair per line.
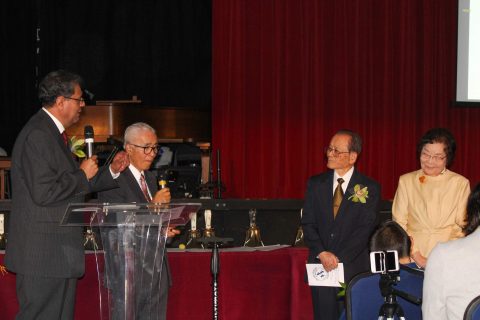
(452,279)
(45,179)
(347,235)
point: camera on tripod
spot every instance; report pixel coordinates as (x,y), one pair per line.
(384,261)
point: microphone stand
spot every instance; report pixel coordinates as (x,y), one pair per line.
(215,267)
(117,146)
(111,156)
(207,189)
(210,167)
(220,186)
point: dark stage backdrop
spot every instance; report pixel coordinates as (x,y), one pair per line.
(17,68)
(158,50)
(287,74)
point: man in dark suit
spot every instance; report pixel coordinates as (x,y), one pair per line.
(137,184)
(47,257)
(338,217)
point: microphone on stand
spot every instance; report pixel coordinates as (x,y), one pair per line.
(89,140)
(89,94)
(117,146)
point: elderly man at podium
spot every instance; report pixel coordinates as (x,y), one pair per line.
(137,184)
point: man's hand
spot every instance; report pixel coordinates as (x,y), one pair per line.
(120,162)
(171,232)
(328,260)
(90,167)
(162,196)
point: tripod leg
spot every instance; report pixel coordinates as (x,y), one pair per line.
(399,312)
(387,311)
(381,312)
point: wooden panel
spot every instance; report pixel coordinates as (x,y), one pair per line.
(170,123)
(5,164)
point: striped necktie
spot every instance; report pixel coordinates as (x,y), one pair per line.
(65,138)
(144,188)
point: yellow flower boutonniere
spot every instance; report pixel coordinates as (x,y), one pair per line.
(360,194)
(76,146)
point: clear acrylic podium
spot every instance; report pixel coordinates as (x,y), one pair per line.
(133,238)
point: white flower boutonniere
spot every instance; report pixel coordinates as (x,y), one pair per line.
(360,194)
(76,146)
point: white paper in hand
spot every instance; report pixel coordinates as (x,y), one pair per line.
(317,276)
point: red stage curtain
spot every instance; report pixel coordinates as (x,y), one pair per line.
(288,73)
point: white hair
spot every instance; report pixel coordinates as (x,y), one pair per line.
(134,129)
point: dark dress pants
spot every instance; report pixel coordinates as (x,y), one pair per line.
(326,305)
(42,298)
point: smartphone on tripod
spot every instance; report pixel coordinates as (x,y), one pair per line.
(384,261)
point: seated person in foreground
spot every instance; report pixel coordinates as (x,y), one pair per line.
(364,298)
(452,277)
(391,236)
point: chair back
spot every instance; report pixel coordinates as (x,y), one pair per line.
(364,299)
(473,310)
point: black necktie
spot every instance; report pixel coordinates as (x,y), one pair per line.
(337,197)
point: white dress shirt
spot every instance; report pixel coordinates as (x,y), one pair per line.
(346,180)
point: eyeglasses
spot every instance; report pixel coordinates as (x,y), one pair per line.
(147,149)
(436,158)
(334,151)
(79,100)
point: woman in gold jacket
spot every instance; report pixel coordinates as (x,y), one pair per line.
(430,203)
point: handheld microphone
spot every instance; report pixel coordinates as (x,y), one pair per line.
(162,181)
(89,140)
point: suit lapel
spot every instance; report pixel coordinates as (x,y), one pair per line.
(348,192)
(325,193)
(53,130)
(134,187)
(151,182)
